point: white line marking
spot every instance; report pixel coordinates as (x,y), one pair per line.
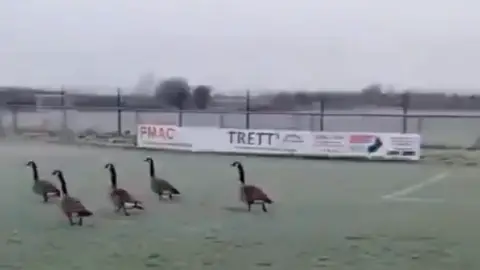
(409,190)
(417,200)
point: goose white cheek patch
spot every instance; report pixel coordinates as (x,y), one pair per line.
(129,205)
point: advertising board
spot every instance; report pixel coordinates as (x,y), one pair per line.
(163,137)
(281,142)
(329,143)
(403,146)
(264,141)
(385,145)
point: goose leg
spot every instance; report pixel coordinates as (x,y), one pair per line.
(125,210)
(170,196)
(249,206)
(70,219)
(80,221)
(264,208)
(45,197)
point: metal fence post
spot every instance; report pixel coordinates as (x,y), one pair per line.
(247,111)
(180,118)
(119,112)
(322,112)
(64,110)
(405,106)
(14,111)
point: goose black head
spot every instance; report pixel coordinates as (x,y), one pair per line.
(31,163)
(108,166)
(236,164)
(57,172)
(148,159)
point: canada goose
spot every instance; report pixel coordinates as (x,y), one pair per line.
(41,187)
(158,185)
(250,194)
(119,196)
(71,205)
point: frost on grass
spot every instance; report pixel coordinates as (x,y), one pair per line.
(320,224)
(37,150)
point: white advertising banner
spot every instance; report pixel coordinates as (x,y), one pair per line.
(163,137)
(394,146)
(328,144)
(369,145)
(274,142)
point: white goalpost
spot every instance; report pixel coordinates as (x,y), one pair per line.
(52,108)
(52,101)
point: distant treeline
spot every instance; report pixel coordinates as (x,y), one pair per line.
(176,93)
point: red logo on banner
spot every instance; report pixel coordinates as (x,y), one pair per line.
(361,139)
(158,132)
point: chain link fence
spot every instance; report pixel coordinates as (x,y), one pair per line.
(69,116)
(437,130)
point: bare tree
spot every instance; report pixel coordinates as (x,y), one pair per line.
(202,96)
(174,92)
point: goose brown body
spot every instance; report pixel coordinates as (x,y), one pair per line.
(250,194)
(71,206)
(255,194)
(158,185)
(119,196)
(41,187)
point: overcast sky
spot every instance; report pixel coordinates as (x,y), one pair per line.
(233,44)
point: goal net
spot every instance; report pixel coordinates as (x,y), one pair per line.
(51,112)
(52,101)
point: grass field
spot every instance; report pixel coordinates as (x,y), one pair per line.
(327,215)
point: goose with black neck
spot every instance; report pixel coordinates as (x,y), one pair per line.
(250,194)
(119,196)
(158,185)
(42,187)
(71,206)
